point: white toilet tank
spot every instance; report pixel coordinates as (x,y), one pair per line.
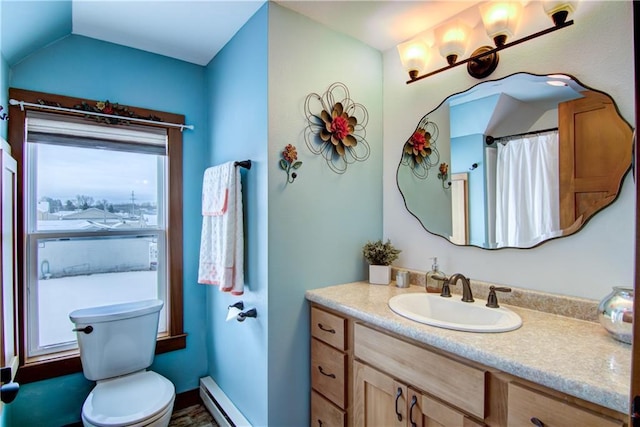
(117,339)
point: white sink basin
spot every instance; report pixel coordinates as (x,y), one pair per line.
(452,313)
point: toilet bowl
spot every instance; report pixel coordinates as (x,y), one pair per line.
(117,345)
(140,399)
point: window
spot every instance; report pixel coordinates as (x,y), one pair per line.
(100,223)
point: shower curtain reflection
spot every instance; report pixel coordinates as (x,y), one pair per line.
(526,191)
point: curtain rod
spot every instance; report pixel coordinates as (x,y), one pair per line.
(490,139)
(22,104)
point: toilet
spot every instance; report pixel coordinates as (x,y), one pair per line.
(117,344)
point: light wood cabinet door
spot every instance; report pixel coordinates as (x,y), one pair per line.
(379,400)
(427,411)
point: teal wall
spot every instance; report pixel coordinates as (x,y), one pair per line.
(465,151)
(317,224)
(83,67)
(426,198)
(246,104)
(237,99)
(54,402)
(4,84)
(52,19)
(472,117)
(469,122)
(5,416)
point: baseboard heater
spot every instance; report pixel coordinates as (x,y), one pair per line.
(220,406)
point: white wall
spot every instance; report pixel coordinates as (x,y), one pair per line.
(598,51)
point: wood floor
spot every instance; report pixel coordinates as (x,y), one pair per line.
(190,413)
(192,416)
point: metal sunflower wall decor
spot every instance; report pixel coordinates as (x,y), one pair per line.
(338,131)
(420,152)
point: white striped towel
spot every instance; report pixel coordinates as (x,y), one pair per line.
(222,239)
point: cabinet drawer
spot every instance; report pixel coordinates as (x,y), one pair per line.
(329,328)
(438,413)
(328,372)
(324,413)
(456,383)
(525,404)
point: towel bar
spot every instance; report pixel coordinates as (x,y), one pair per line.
(243,163)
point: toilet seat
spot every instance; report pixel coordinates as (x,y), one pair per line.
(130,400)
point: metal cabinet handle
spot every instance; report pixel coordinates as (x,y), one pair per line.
(398,394)
(414,401)
(86,329)
(325,374)
(330,330)
(536,422)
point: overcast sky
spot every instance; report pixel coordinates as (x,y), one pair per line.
(65,172)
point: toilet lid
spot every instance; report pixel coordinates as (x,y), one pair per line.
(127,400)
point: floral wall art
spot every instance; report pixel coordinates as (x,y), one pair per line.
(420,152)
(336,127)
(289,162)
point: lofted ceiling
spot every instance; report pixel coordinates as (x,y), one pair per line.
(195,30)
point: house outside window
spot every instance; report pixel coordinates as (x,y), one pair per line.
(98,211)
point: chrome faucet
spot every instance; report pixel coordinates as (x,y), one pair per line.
(467,296)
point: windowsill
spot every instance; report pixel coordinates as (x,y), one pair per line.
(70,364)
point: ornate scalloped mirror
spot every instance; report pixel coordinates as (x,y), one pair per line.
(515,162)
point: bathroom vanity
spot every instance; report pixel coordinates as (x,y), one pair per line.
(370,366)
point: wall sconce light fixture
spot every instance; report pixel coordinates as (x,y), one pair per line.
(500,19)
(453,39)
(414,55)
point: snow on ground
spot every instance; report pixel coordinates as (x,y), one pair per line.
(59,297)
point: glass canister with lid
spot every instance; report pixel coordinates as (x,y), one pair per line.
(615,313)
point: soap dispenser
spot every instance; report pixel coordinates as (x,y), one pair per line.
(432,282)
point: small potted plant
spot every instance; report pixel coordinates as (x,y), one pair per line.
(380,255)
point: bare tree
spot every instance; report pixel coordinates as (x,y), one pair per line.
(84,202)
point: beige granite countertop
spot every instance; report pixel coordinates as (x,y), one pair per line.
(573,356)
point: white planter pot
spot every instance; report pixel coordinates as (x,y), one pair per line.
(380,274)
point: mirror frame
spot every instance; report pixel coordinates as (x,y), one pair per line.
(445,100)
